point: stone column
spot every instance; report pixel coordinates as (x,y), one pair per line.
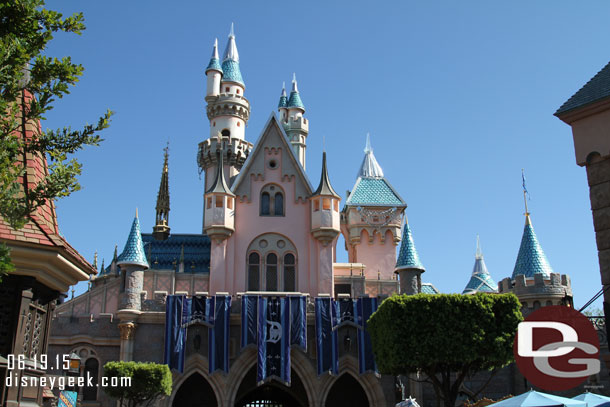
(128,330)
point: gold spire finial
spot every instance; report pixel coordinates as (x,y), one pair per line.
(525,196)
(136,211)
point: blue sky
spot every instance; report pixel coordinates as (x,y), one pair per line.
(458,97)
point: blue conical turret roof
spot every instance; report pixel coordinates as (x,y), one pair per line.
(214,60)
(133,253)
(480,280)
(295,98)
(283,99)
(230,62)
(531,259)
(407,256)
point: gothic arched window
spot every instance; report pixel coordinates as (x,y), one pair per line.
(265,204)
(272,201)
(290,273)
(91,370)
(271,264)
(253,272)
(271,272)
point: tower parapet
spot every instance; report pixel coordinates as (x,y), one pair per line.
(539,290)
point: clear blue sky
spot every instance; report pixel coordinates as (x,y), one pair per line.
(457,96)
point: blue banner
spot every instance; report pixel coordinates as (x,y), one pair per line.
(298,321)
(344,313)
(249,320)
(199,309)
(273,340)
(218,336)
(326,337)
(175,333)
(366,360)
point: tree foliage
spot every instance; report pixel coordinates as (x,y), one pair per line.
(150,382)
(30,82)
(448,337)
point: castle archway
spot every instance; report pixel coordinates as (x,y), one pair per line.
(346,391)
(195,391)
(272,393)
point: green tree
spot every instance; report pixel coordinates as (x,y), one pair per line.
(150,382)
(447,337)
(30,83)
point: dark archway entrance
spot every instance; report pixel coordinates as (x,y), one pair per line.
(346,391)
(195,392)
(271,394)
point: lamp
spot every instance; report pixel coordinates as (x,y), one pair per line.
(74,363)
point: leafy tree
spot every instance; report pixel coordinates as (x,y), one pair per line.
(448,337)
(150,382)
(30,83)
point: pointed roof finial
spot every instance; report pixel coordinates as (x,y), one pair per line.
(72,292)
(231,50)
(479,253)
(294,82)
(230,62)
(136,212)
(370,168)
(161,228)
(95,260)
(102,269)
(114,257)
(531,258)
(525,196)
(232,33)
(325,188)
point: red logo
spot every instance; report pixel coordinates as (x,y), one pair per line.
(556,348)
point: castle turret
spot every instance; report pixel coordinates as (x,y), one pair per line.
(325,219)
(213,73)
(161,228)
(408,266)
(295,125)
(480,280)
(531,259)
(132,262)
(282,106)
(219,218)
(371,220)
(228,111)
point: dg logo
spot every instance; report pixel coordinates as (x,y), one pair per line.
(556,348)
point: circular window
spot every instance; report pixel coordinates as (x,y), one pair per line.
(281,244)
(272,164)
(263,243)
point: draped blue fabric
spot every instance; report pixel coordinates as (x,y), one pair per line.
(175,333)
(249,320)
(273,340)
(218,342)
(366,360)
(344,313)
(201,310)
(298,321)
(326,337)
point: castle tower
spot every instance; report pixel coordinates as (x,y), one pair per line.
(371,220)
(295,125)
(228,111)
(480,280)
(325,219)
(533,280)
(161,228)
(132,262)
(219,218)
(408,266)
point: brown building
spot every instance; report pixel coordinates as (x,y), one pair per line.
(46,266)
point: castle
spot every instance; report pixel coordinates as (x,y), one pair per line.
(266,230)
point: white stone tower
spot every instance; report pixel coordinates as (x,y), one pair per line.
(291,111)
(228,111)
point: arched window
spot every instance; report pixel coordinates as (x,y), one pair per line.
(265,204)
(253,272)
(271,264)
(225,133)
(289,273)
(271,273)
(272,201)
(278,204)
(91,370)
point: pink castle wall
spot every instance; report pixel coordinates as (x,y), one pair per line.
(376,256)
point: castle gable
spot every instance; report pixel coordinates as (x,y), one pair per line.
(272,138)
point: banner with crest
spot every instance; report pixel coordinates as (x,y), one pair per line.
(273,339)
